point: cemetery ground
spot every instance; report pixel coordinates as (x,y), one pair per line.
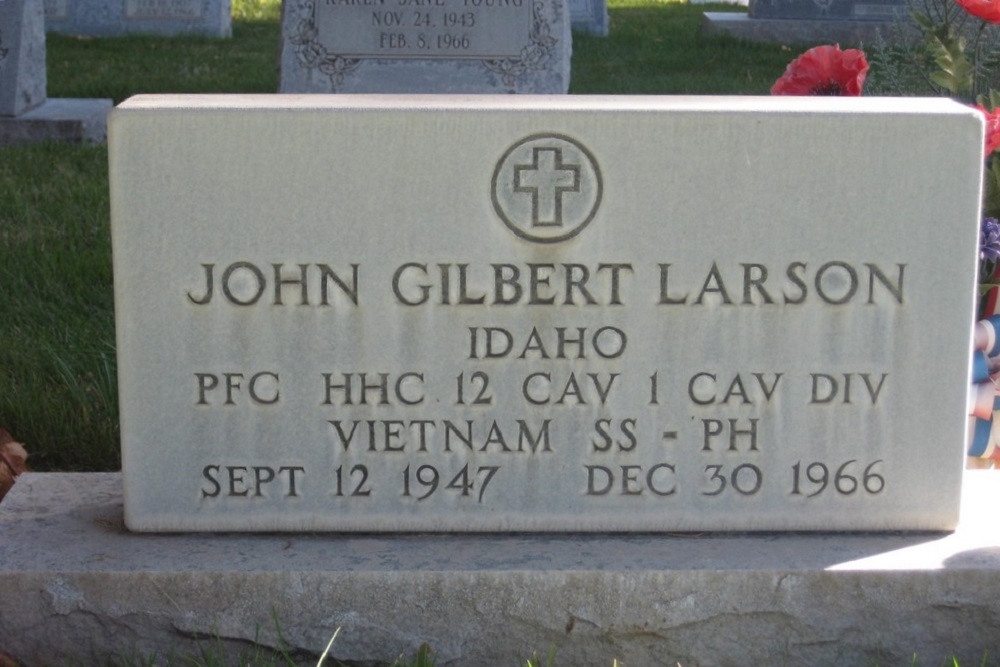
(57,354)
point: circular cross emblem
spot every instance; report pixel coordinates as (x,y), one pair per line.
(546,188)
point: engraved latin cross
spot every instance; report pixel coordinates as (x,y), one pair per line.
(546,179)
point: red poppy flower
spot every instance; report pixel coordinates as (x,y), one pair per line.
(992,128)
(824,70)
(987,10)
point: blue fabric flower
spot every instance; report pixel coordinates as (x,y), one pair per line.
(989,240)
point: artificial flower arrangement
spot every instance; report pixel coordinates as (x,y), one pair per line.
(824,70)
(958,56)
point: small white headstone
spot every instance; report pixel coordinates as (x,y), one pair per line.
(425,46)
(22,56)
(26,115)
(381,313)
(589,16)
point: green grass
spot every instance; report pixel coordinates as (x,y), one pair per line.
(120,67)
(655,49)
(57,381)
(57,365)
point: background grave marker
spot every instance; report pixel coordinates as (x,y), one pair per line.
(107,18)
(442,46)
(26,115)
(589,16)
(845,22)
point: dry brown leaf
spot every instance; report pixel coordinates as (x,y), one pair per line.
(6,660)
(13,462)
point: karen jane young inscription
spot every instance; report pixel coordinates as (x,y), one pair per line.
(163,9)
(424,28)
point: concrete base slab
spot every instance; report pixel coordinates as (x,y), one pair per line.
(795,31)
(76,587)
(61,119)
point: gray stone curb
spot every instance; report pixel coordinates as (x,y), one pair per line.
(76,586)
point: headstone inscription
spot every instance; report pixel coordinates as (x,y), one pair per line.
(425,46)
(105,18)
(388,313)
(26,114)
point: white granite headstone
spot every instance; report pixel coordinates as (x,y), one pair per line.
(153,17)
(382,313)
(425,46)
